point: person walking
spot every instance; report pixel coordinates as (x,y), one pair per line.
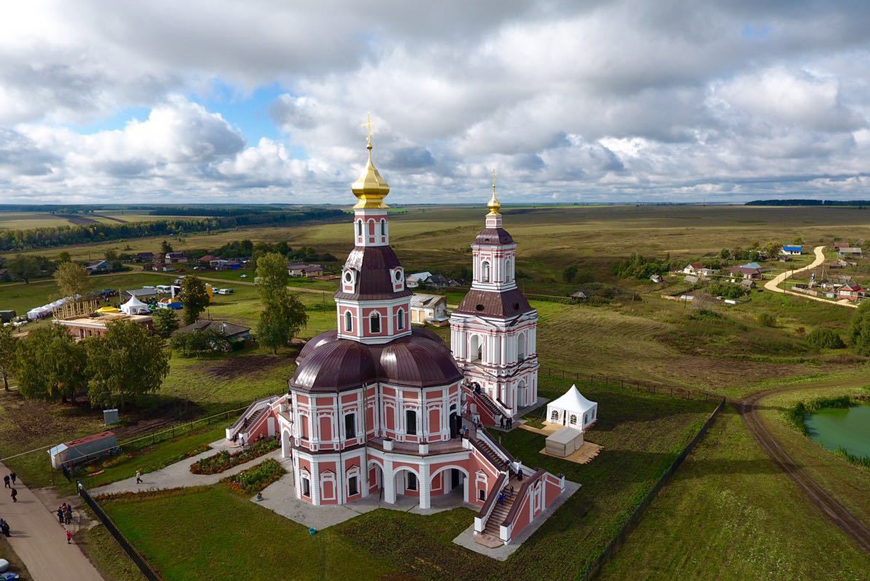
(68,514)
(13,477)
(14,495)
(60,511)
(6,482)
(138,476)
(68,536)
(4,527)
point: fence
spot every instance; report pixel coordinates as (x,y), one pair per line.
(601,380)
(131,551)
(635,517)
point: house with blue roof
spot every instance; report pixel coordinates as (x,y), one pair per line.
(792,250)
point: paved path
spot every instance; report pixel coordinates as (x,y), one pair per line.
(773,284)
(178,475)
(40,541)
(830,506)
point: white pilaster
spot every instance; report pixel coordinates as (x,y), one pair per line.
(425,501)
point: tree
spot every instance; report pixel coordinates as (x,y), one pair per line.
(283,314)
(198,343)
(165,247)
(766,320)
(8,351)
(23,267)
(773,249)
(194,297)
(725,254)
(825,339)
(111,255)
(570,273)
(51,365)
(859,332)
(165,322)
(127,361)
(71,278)
(64,257)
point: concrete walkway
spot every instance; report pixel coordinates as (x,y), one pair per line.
(40,541)
(773,284)
(178,475)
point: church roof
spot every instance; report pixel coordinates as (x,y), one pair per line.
(373,264)
(328,364)
(494,236)
(494,303)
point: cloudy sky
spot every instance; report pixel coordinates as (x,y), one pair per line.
(259,101)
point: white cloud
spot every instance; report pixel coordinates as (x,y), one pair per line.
(610,99)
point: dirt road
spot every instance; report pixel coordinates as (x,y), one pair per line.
(773,284)
(829,505)
(39,540)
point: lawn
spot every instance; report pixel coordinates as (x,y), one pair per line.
(213,533)
(641,435)
(729,513)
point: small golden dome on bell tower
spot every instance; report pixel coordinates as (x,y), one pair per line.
(370,188)
(494,205)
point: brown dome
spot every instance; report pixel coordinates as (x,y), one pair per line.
(373,264)
(494,236)
(329,364)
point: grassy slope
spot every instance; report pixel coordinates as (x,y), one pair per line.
(730,514)
(204,534)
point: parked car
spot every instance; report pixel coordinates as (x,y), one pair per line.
(244,276)
(224,291)
(108,292)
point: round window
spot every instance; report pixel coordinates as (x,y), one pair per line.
(348,276)
(479,307)
(398,275)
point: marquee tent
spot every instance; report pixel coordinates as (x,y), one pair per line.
(135,307)
(572,410)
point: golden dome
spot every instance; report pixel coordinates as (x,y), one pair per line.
(494,205)
(370,188)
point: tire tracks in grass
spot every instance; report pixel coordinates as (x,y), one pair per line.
(830,506)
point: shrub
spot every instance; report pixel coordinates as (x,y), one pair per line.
(766,320)
(256,478)
(223,461)
(825,339)
(639,267)
(705,315)
(726,290)
(197,343)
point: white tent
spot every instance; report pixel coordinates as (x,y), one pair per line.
(135,307)
(572,410)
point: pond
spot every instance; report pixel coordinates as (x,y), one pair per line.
(847,428)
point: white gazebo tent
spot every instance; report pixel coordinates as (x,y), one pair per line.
(572,410)
(135,307)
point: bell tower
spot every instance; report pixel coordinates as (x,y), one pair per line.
(494,331)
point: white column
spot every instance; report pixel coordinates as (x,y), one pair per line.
(297,480)
(315,483)
(424,487)
(389,483)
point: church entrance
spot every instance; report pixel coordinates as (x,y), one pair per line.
(455,422)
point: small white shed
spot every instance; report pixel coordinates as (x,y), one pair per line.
(572,410)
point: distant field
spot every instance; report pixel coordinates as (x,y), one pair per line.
(27,220)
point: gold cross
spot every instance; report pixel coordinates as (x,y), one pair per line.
(369,125)
(493,180)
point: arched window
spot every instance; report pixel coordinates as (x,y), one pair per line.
(359,227)
(375,323)
(554,416)
(383,227)
(521,347)
(475,349)
(484,268)
(507,270)
(411,422)
(400,319)
(350,426)
(573,419)
(348,321)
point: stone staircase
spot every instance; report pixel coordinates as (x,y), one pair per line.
(490,535)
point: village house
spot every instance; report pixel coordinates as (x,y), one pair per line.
(207,259)
(145,257)
(142,294)
(853,251)
(416,279)
(99,267)
(175,258)
(302,269)
(229,331)
(693,268)
(84,318)
(747,272)
(5,275)
(851,292)
(792,250)
(430,309)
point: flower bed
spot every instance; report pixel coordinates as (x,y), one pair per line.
(223,461)
(256,478)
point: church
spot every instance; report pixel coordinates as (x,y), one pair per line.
(378,407)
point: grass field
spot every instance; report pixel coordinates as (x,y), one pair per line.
(641,435)
(729,513)
(28,220)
